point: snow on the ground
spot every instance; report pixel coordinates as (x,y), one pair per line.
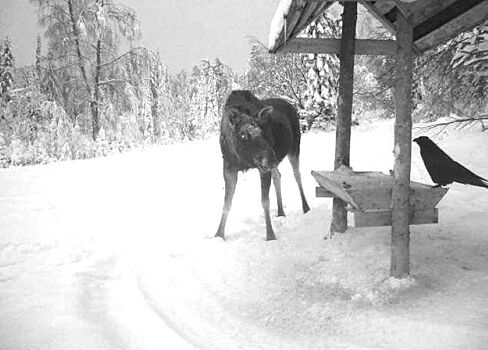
(117,253)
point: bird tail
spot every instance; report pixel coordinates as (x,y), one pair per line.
(484,183)
(481,182)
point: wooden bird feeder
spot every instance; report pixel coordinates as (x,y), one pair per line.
(417,26)
(369,196)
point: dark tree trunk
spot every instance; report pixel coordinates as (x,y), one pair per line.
(81,65)
(154,84)
(38,57)
(96,94)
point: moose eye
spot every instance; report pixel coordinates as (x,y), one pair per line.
(244,136)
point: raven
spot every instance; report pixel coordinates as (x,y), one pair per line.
(443,169)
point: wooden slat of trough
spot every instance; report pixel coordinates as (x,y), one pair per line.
(333,184)
(426,198)
(373,190)
(361,190)
(383,217)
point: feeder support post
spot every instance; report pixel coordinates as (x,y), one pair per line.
(400,231)
(343,122)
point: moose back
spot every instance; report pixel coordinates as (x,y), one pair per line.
(258,134)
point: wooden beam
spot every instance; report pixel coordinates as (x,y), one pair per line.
(300,19)
(344,112)
(423,10)
(373,218)
(464,21)
(378,15)
(445,16)
(402,9)
(335,0)
(400,230)
(332,46)
(310,15)
(322,192)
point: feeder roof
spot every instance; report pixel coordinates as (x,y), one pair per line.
(433,21)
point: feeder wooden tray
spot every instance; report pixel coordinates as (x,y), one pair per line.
(369,196)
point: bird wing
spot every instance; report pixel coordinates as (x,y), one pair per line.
(438,164)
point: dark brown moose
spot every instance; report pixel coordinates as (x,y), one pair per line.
(258,134)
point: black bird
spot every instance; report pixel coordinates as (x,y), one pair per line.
(443,169)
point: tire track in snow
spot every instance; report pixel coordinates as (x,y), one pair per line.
(112,302)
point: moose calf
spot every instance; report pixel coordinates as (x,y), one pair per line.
(258,134)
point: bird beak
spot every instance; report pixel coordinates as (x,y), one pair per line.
(415,139)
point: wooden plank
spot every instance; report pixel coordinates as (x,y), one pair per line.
(463,22)
(299,20)
(373,198)
(401,7)
(383,217)
(400,231)
(294,14)
(336,188)
(423,10)
(379,196)
(378,15)
(305,16)
(362,190)
(379,1)
(322,192)
(312,12)
(443,17)
(332,46)
(421,198)
(290,19)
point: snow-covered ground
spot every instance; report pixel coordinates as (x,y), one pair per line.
(116,253)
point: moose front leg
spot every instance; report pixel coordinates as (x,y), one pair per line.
(265,185)
(230,179)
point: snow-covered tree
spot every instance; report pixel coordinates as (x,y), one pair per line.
(322,73)
(84,38)
(211,82)
(308,81)
(6,70)
(4,158)
(277,75)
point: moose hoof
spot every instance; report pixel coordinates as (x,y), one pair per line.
(306,209)
(219,235)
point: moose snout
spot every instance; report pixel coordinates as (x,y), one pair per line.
(265,161)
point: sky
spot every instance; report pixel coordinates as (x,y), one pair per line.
(183,31)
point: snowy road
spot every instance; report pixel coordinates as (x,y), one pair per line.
(116,253)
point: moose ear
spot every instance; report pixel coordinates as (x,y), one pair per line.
(265,113)
(232,114)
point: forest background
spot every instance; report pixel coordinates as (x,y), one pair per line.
(92,91)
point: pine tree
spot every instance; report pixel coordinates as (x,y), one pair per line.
(6,70)
(322,74)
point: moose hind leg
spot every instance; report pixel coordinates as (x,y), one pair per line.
(276,175)
(265,185)
(295,164)
(230,179)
